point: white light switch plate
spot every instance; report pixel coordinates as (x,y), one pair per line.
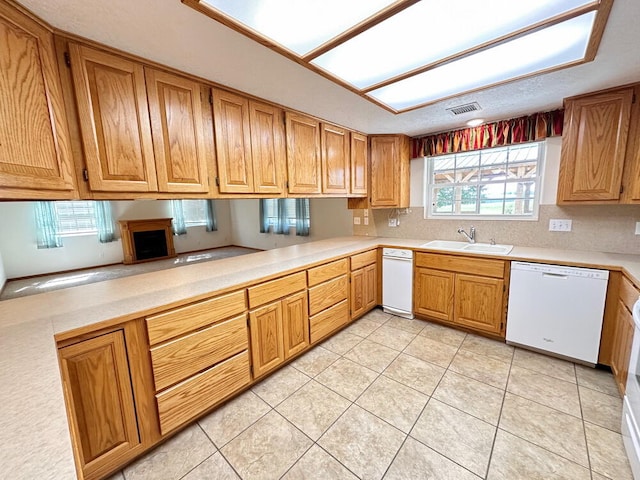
(559,225)
(356,220)
(637,228)
(393,222)
(366,220)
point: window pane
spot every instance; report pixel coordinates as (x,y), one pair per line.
(75,217)
(491,206)
(443,200)
(195,212)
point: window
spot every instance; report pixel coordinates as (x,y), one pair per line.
(75,218)
(195,212)
(280,214)
(498,182)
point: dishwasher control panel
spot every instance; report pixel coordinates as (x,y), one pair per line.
(397,253)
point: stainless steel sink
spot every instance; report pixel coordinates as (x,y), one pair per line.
(454,246)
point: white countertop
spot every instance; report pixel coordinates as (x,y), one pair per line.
(34,436)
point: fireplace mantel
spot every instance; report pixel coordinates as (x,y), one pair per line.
(130,230)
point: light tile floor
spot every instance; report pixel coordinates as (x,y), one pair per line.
(406,399)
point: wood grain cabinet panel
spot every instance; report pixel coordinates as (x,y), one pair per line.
(177,125)
(35,151)
(478,302)
(594,146)
(303,153)
(268,150)
(328,293)
(233,142)
(389,171)
(99,394)
(267,338)
(359,163)
(295,322)
(114,119)
(364,286)
(322,273)
(328,321)
(433,291)
(621,351)
(335,154)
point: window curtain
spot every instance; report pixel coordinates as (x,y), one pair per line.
(104,222)
(46,225)
(178,225)
(498,134)
(282,221)
(264,217)
(303,223)
(212,221)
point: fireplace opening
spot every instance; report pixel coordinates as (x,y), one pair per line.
(151,244)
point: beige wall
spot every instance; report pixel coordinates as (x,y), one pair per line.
(608,228)
(329,218)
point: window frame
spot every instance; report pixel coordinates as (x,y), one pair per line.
(76,233)
(429,185)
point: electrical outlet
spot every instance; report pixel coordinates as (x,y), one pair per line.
(393,222)
(366,213)
(637,228)
(366,220)
(559,225)
(356,220)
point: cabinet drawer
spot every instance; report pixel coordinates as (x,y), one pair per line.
(628,293)
(363,259)
(190,398)
(192,317)
(269,291)
(327,294)
(327,272)
(185,356)
(329,320)
(453,263)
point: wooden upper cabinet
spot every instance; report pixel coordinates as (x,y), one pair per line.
(303,153)
(34,139)
(99,396)
(390,171)
(233,142)
(268,150)
(594,146)
(335,153)
(175,109)
(114,121)
(359,163)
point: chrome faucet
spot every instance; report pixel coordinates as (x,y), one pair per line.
(471,236)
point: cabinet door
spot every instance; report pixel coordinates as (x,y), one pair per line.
(359,162)
(433,295)
(267,345)
(296,324)
(371,286)
(385,171)
(594,146)
(99,398)
(114,121)
(358,294)
(267,147)
(621,351)
(335,148)
(233,142)
(303,153)
(177,125)
(479,302)
(34,141)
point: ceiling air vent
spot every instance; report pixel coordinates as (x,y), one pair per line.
(466,108)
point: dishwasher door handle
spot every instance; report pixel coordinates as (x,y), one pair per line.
(554,275)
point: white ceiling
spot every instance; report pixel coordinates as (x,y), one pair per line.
(171,33)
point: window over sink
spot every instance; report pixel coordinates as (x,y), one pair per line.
(496,183)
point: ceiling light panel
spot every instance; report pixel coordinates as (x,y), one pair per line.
(299,25)
(432,30)
(554,46)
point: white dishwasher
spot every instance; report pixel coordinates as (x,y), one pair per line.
(557,309)
(397,281)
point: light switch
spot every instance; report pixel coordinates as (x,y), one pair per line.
(637,228)
(356,220)
(366,220)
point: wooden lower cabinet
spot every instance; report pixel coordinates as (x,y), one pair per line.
(101,404)
(279,330)
(433,293)
(621,351)
(364,287)
(464,291)
(478,303)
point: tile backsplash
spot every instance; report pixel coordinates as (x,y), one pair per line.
(604,228)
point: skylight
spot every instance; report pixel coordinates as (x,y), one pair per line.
(407,54)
